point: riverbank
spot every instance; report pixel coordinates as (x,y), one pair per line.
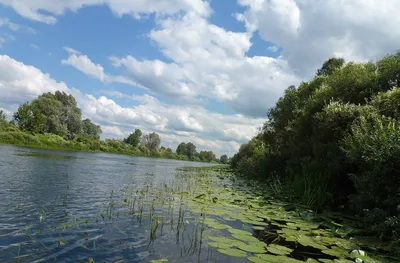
(14,136)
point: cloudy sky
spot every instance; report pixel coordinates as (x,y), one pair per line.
(190,70)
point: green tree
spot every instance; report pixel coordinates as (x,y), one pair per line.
(190,150)
(151,141)
(224,159)
(134,138)
(3,116)
(181,149)
(91,129)
(330,66)
(51,113)
(207,156)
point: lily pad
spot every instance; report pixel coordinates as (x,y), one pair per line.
(336,252)
(279,250)
(233,252)
(257,260)
(258,228)
(252,248)
(219,245)
(277,259)
(221,239)
(245,238)
(310,242)
(239,232)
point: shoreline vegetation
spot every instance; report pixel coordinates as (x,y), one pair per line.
(54,121)
(333,144)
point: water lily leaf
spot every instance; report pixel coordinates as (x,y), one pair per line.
(279,250)
(233,252)
(311,260)
(219,245)
(258,228)
(252,248)
(245,238)
(221,239)
(239,232)
(277,259)
(310,242)
(291,225)
(336,252)
(258,244)
(257,260)
(253,222)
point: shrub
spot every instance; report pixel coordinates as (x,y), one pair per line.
(373,147)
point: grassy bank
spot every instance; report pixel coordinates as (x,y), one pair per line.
(10,134)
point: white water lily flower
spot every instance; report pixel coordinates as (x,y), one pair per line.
(359,260)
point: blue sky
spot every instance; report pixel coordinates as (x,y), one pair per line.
(201,71)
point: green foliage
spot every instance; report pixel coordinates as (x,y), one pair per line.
(335,141)
(181,149)
(223,159)
(151,141)
(90,129)
(54,121)
(190,150)
(388,103)
(330,66)
(51,113)
(373,147)
(134,138)
(3,116)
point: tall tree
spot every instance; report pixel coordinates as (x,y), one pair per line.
(91,129)
(190,150)
(151,141)
(330,66)
(51,113)
(224,159)
(181,149)
(134,138)
(3,116)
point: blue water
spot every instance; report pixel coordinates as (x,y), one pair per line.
(53,207)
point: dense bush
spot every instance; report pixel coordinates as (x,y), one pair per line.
(335,141)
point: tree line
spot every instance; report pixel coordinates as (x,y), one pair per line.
(55,121)
(334,142)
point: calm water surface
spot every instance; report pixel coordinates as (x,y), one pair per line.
(94,207)
(43,193)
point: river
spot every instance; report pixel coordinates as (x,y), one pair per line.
(58,206)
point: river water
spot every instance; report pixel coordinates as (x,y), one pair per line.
(42,189)
(58,206)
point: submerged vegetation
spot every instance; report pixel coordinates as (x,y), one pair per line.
(207,214)
(333,143)
(55,121)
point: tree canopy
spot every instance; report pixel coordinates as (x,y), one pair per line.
(151,141)
(134,138)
